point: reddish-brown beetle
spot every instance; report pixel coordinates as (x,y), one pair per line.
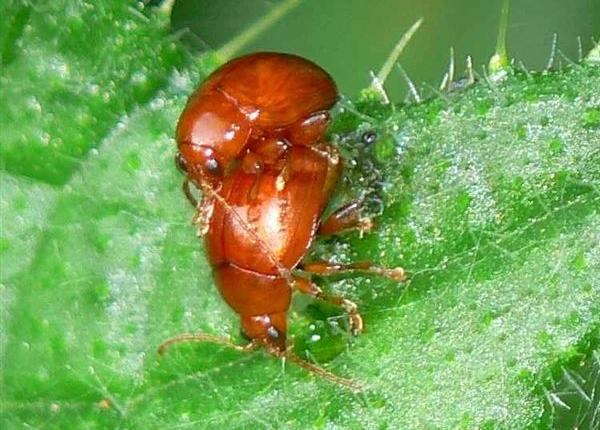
(258,98)
(252,139)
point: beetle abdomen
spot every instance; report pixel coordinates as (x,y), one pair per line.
(278,89)
(252,293)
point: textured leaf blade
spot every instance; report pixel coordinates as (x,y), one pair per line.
(491,201)
(73,69)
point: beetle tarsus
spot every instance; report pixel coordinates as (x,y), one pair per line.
(348,217)
(325,268)
(344,218)
(308,287)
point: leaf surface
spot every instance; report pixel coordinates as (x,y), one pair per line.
(490,197)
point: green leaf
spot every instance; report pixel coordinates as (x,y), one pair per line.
(490,197)
(70,71)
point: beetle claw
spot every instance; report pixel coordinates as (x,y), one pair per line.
(365,225)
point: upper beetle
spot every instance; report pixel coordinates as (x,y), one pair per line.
(252,99)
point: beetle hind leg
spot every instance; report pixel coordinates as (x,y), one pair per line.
(306,286)
(325,268)
(345,218)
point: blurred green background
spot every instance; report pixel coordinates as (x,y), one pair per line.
(351,37)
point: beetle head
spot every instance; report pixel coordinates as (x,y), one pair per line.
(211,133)
(268,330)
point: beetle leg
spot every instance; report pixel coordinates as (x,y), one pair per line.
(185,186)
(203,337)
(334,169)
(345,218)
(325,268)
(306,286)
(309,130)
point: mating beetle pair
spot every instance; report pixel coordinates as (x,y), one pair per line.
(251,138)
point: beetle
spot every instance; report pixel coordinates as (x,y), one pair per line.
(251,138)
(257,98)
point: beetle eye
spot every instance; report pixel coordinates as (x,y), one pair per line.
(181,163)
(369,137)
(212,166)
(272,332)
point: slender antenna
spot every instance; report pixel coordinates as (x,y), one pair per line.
(393,57)
(232,47)
(324,373)
(203,337)
(499,61)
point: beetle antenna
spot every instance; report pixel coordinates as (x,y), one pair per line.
(203,337)
(225,341)
(324,373)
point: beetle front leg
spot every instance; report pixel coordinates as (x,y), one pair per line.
(345,218)
(306,286)
(185,187)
